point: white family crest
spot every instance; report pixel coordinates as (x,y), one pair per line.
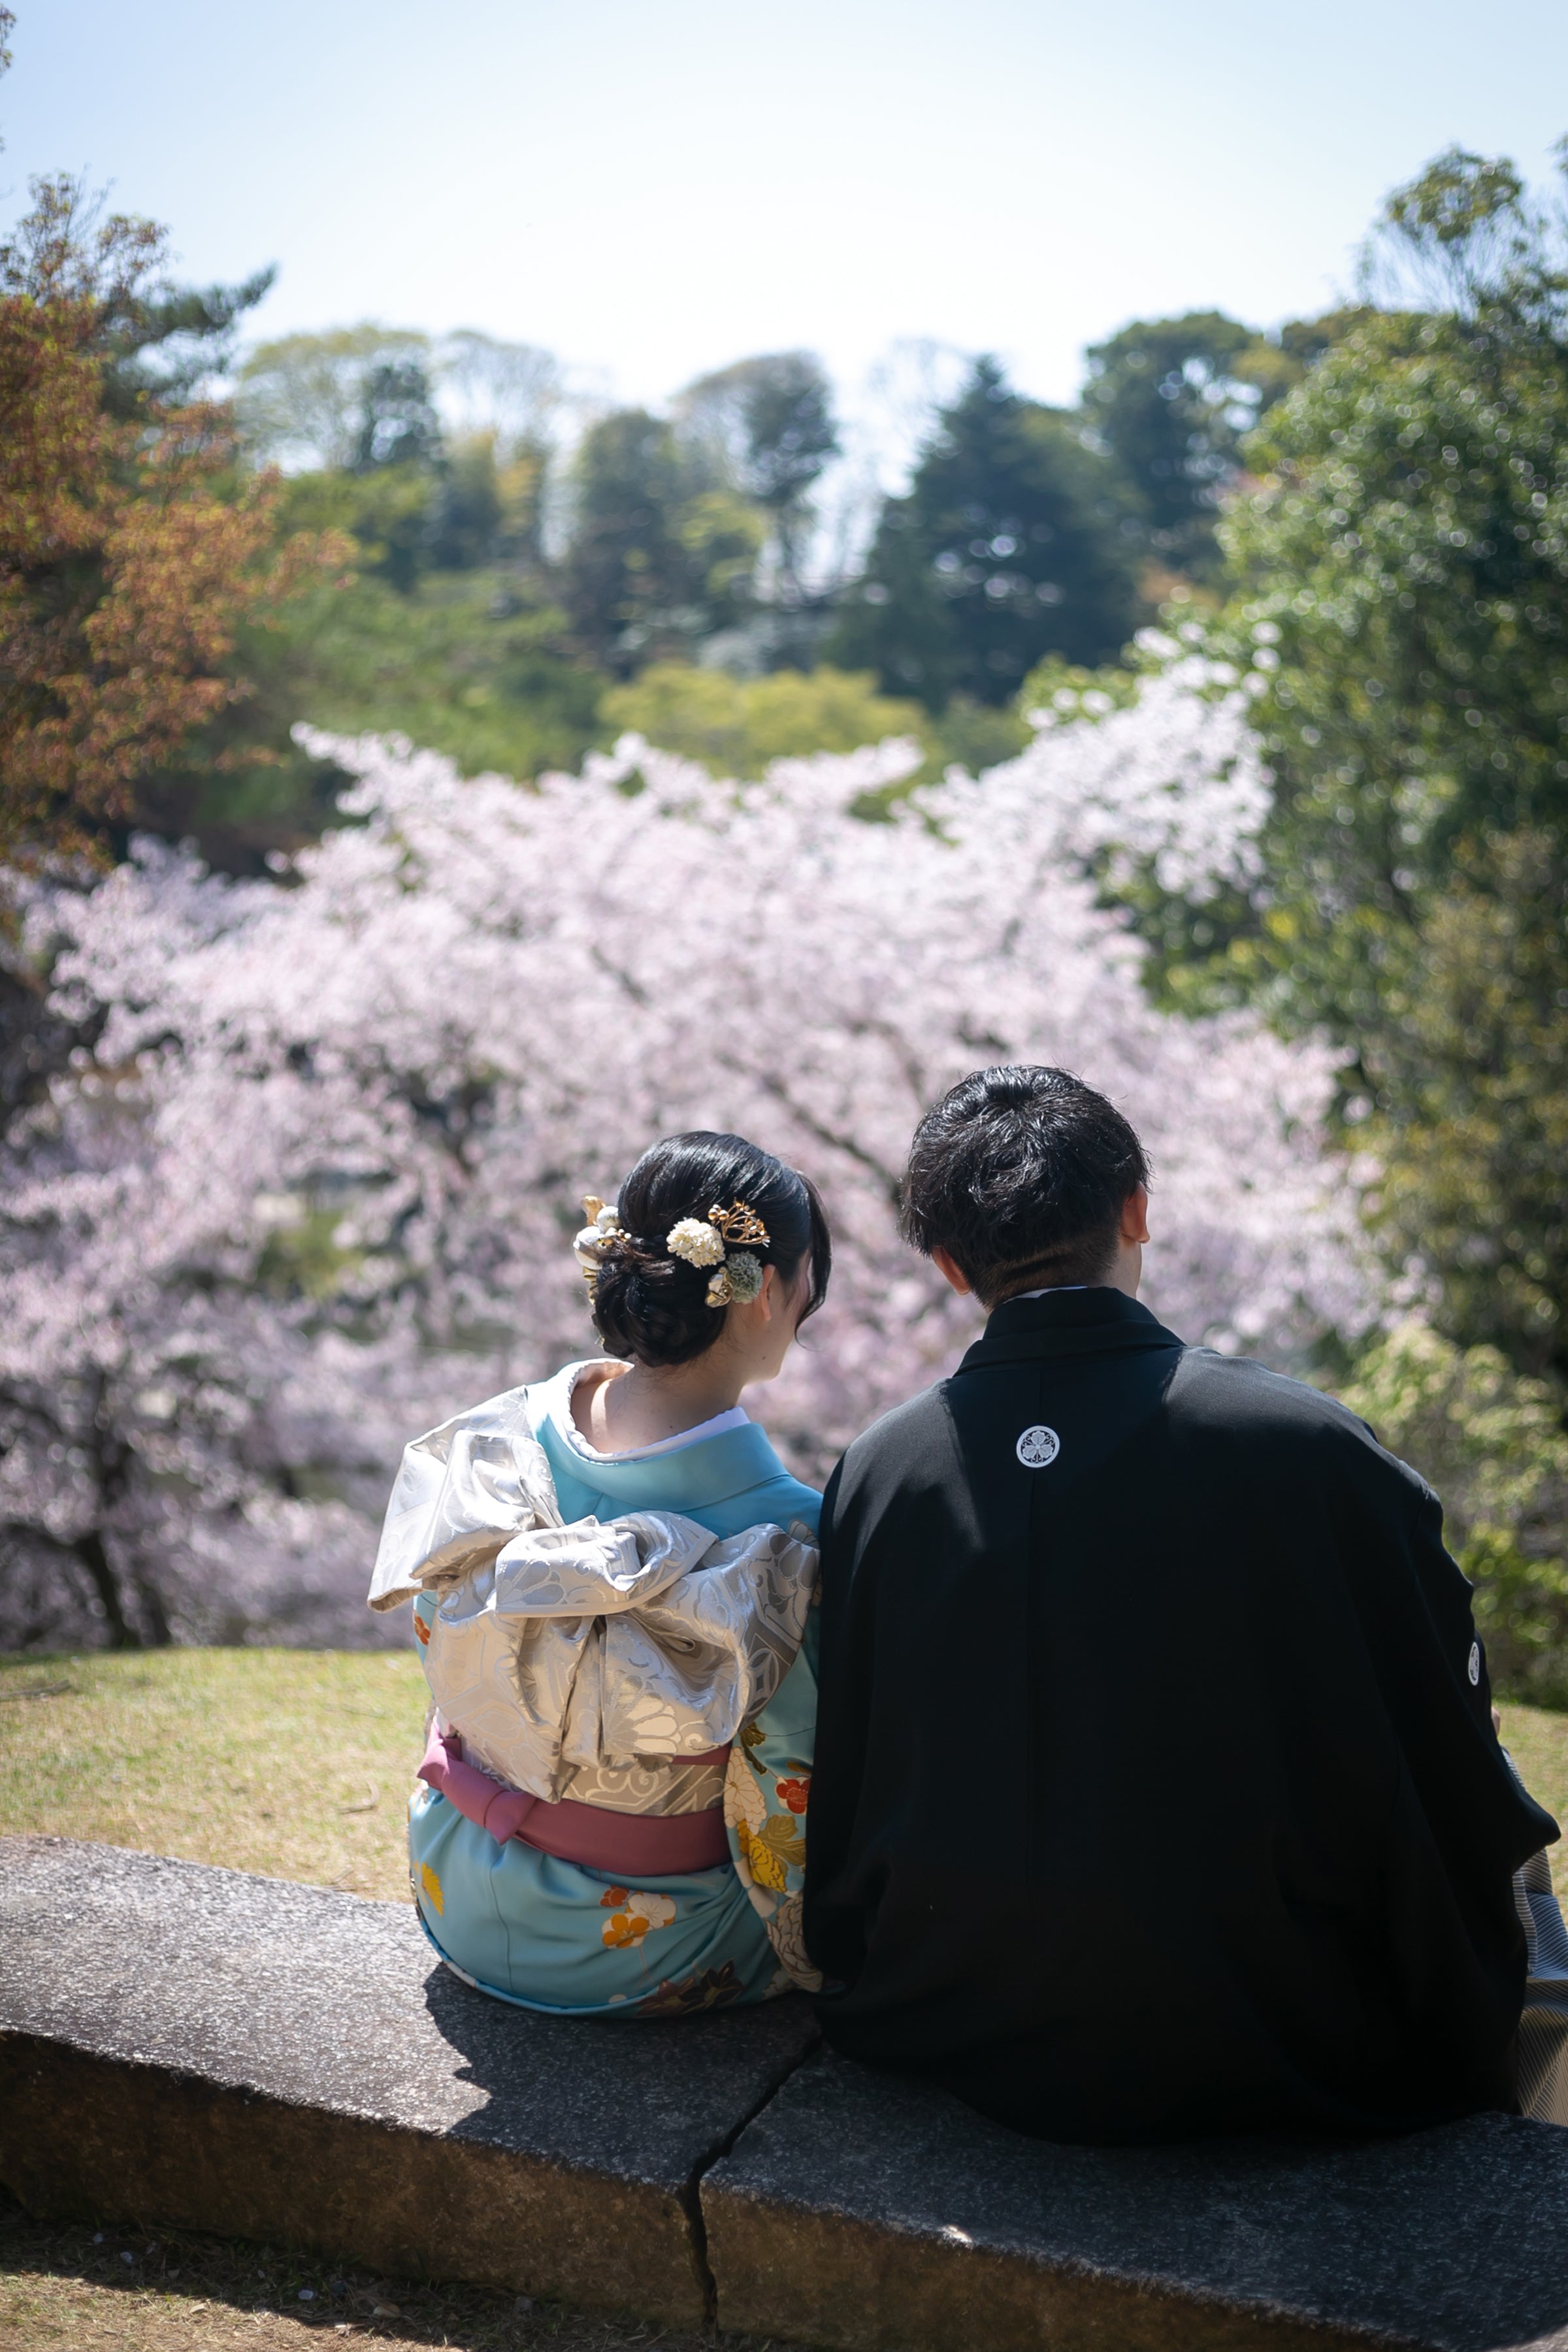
(1475,1668)
(1039,1447)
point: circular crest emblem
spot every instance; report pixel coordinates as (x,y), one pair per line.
(1475,1663)
(1039,1446)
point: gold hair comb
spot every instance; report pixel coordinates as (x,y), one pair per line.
(739,1224)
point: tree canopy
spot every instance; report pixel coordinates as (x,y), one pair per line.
(1400,596)
(131,552)
(1006,547)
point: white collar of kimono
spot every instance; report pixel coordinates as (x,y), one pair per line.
(571,1435)
(1049,1291)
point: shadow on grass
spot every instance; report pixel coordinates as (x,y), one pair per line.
(66,2285)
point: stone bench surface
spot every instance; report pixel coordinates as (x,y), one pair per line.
(186,2046)
(246,2054)
(867,2211)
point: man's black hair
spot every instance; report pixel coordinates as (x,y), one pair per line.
(1021,1174)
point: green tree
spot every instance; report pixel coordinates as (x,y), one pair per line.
(735,726)
(661,552)
(1401,575)
(133,551)
(397,423)
(301,399)
(1015,540)
(1467,1079)
(1492,1445)
(771,421)
(1171,399)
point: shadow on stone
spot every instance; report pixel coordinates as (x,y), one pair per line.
(862,2212)
(187,2046)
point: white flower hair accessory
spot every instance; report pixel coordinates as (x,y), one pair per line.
(603,1227)
(713,1241)
(698,1243)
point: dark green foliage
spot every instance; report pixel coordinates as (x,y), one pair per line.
(1171,399)
(399,448)
(661,552)
(1408,563)
(469,510)
(1014,541)
(787,411)
(398,424)
(1174,400)
(463,663)
(1401,593)
(176,341)
(1467,1076)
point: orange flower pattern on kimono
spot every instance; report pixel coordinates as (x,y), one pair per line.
(767,1789)
(633,1916)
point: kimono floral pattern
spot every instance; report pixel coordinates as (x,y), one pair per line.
(703,1989)
(765,1794)
(633,1917)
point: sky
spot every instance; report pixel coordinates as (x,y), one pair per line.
(651,192)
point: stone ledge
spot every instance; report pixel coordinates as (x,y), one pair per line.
(187,2046)
(191,2046)
(865,2213)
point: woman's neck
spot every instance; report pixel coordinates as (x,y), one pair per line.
(619,1412)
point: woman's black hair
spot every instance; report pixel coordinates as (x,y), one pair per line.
(652,1306)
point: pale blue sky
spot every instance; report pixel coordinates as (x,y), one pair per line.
(653,190)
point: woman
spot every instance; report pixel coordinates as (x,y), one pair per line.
(613,1572)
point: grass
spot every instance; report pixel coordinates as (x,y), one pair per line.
(295,1763)
(69,2287)
(1537,1739)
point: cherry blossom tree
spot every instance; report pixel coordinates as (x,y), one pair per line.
(308,1178)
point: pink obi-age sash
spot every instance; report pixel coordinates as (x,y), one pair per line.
(628,1845)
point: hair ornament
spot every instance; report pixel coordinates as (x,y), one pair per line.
(739,1224)
(740,1279)
(703,1242)
(604,1226)
(712,1241)
(697,1241)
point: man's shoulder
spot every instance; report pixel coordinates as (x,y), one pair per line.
(1214,1398)
(1210,1389)
(902,1440)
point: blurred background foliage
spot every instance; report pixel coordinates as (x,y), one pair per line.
(483,559)
(1363,517)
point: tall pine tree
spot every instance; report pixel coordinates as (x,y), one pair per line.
(1008,545)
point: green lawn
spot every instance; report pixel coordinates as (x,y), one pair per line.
(296,1763)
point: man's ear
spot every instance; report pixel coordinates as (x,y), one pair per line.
(1135,1215)
(947,1265)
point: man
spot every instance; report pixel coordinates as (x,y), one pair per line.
(1157,1791)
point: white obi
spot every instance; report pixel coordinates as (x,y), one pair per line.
(597,1661)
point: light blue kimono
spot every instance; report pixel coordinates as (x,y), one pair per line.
(554,1934)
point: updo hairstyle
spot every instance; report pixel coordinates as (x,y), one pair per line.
(651,1306)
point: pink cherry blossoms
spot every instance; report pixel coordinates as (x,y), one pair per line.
(309,1182)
